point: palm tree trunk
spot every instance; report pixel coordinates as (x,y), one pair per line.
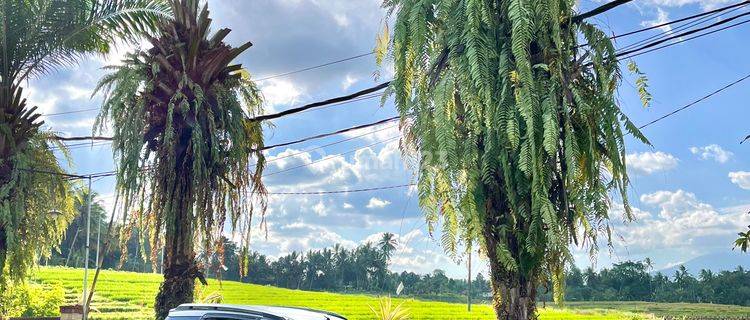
(180,269)
(5,172)
(513,294)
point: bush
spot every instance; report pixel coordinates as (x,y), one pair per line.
(31,300)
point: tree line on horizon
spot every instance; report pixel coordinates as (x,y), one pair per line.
(365,268)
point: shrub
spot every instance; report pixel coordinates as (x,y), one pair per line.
(31,300)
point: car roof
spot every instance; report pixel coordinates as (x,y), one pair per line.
(268,312)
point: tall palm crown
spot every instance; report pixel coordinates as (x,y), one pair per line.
(387,244)
(184,142)
(515,129)
(37,37)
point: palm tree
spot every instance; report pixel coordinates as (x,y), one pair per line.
(74,236)
(387,244)
(184,143)
(516,131)
(37,37)
(743,240)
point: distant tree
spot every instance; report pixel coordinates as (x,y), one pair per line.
(182,111)
(516,131)
(72,248)
(37,38)
(480,286)
(743,240)
(387,244)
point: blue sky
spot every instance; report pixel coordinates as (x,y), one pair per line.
(691,190)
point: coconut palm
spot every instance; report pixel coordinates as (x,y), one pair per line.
(183,139)
(387,244)
(743,240)
(515,129)
(37,37)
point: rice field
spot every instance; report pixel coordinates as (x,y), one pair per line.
(127,295)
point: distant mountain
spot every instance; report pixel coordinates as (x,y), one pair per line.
(725,260)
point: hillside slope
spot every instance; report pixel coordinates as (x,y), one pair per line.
(716,262)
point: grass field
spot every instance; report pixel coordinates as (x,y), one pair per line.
(125,295)
(667,309)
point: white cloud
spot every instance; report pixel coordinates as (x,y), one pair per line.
(651,162)
(376,203)
(45,101)
(712,152)
(685,225)
(77,93)
(298,237)
(279,92)
(348,81)
(661,18)
(85,123)
(741,178)
(320,209)
(674,203)
(341,20)
(617,213)
(348,205)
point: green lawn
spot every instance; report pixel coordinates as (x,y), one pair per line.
(126,295)
(667,309)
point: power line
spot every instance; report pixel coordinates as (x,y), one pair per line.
(337,132)
(317,66)
(330,157)
(357,96)
(343,191)
(599,10)
(688,39)
(322,103)
(81,145)
(578,18)
(81,138)
(67,175)
(330,144)
(113,172)
(261,79)
(696,101)
(715,92)
(680,35)
(700,15)
(366,93)
(69,112)
(704,17)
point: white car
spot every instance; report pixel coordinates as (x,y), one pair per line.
(237,312)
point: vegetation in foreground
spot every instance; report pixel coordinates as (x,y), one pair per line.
(127,295)
(39,37)
(190,124)
(516,132)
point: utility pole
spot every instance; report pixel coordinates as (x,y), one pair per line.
(86,261)
(468,293)
(98,237)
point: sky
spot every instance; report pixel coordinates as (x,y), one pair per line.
(690,190)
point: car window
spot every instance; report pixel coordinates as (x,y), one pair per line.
(182,318)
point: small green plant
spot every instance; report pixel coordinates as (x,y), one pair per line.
(31,300)
(386,310)
(202,295)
